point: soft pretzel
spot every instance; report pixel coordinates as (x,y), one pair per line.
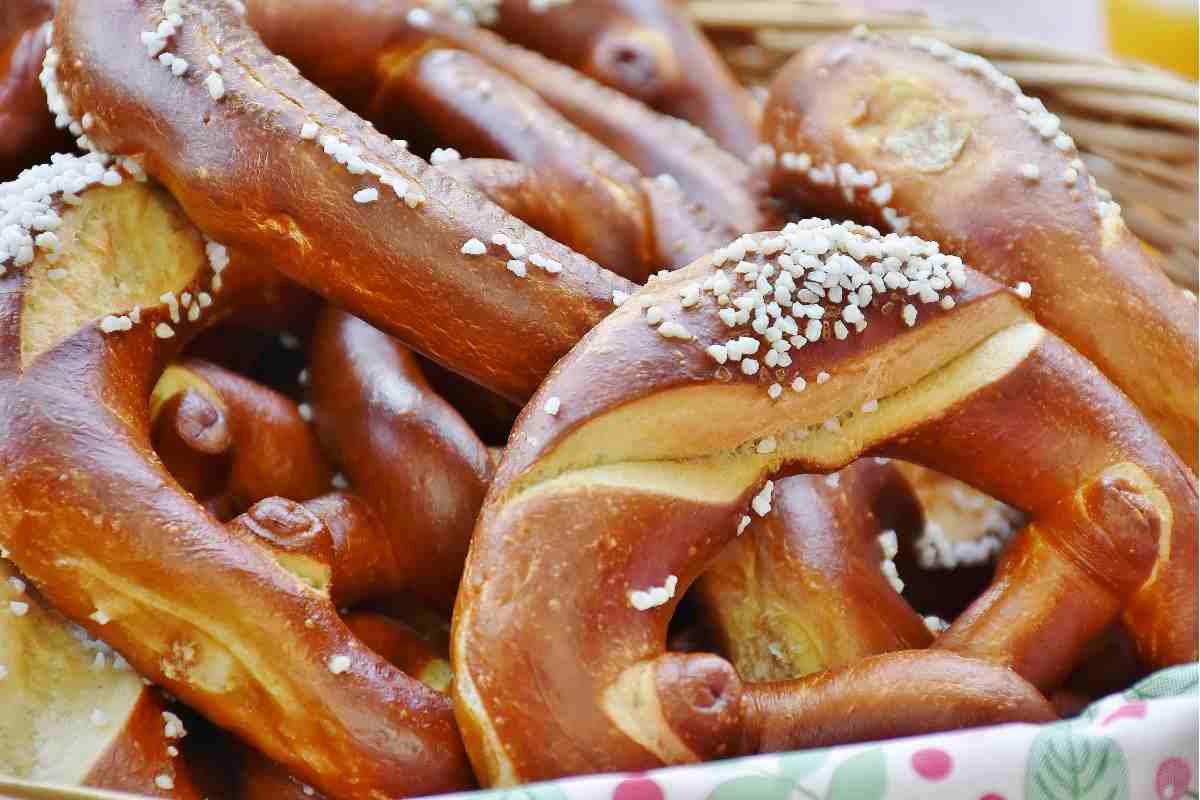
(647,49)
(604,511)
(482,111)
(370,40)
(804,589)
(405,450)
(921,136)
(222,434)
(26,121)
(301,210)
(94,520)
(74,712)
(263,779)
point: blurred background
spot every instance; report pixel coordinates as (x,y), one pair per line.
(1159,31)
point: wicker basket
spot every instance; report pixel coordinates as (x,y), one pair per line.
(1135,125)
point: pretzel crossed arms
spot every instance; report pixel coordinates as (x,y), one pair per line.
(936,365)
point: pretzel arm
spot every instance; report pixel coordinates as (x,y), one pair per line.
(373,39)
(800,590)
(595,223)
(335,542)
(631,491)
(647,49)
(92,517)
(405,450)
(281,200)
(200,409)
(482,111)
(937,691)
(942,142)
(1110,514)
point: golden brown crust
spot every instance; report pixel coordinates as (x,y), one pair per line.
(988,173)
(886,697)
(480,110)
(221,433)
(585,212)
(74,714)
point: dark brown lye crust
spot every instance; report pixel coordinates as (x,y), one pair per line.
(241,170)
(354,49)
(404,449)
(29,133)
(648,49)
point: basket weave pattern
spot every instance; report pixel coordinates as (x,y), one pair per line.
(1136,126)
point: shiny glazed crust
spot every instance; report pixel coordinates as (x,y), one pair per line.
(632,452)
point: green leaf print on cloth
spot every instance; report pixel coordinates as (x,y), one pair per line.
(860,777)
(863,777)
(1175,682)
(1068,763)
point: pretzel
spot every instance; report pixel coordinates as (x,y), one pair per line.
(804,588)
(647,49)
(406,451)
(24,117)
(96,523)
(357,65)
(221,434)
(404,245)
(922,136)
(480,110)
(631,490)
(74,713)
(397,276)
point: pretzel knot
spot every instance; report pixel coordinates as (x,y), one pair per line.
(671,418)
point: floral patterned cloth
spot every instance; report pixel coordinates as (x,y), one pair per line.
(1139,744)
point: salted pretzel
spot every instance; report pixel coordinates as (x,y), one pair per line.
(646,49)
(355,50)
(74,712)
(916,135)
(259,108)
(232,441)
(812,584)
(274,169)
(93,519)
(631,490)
